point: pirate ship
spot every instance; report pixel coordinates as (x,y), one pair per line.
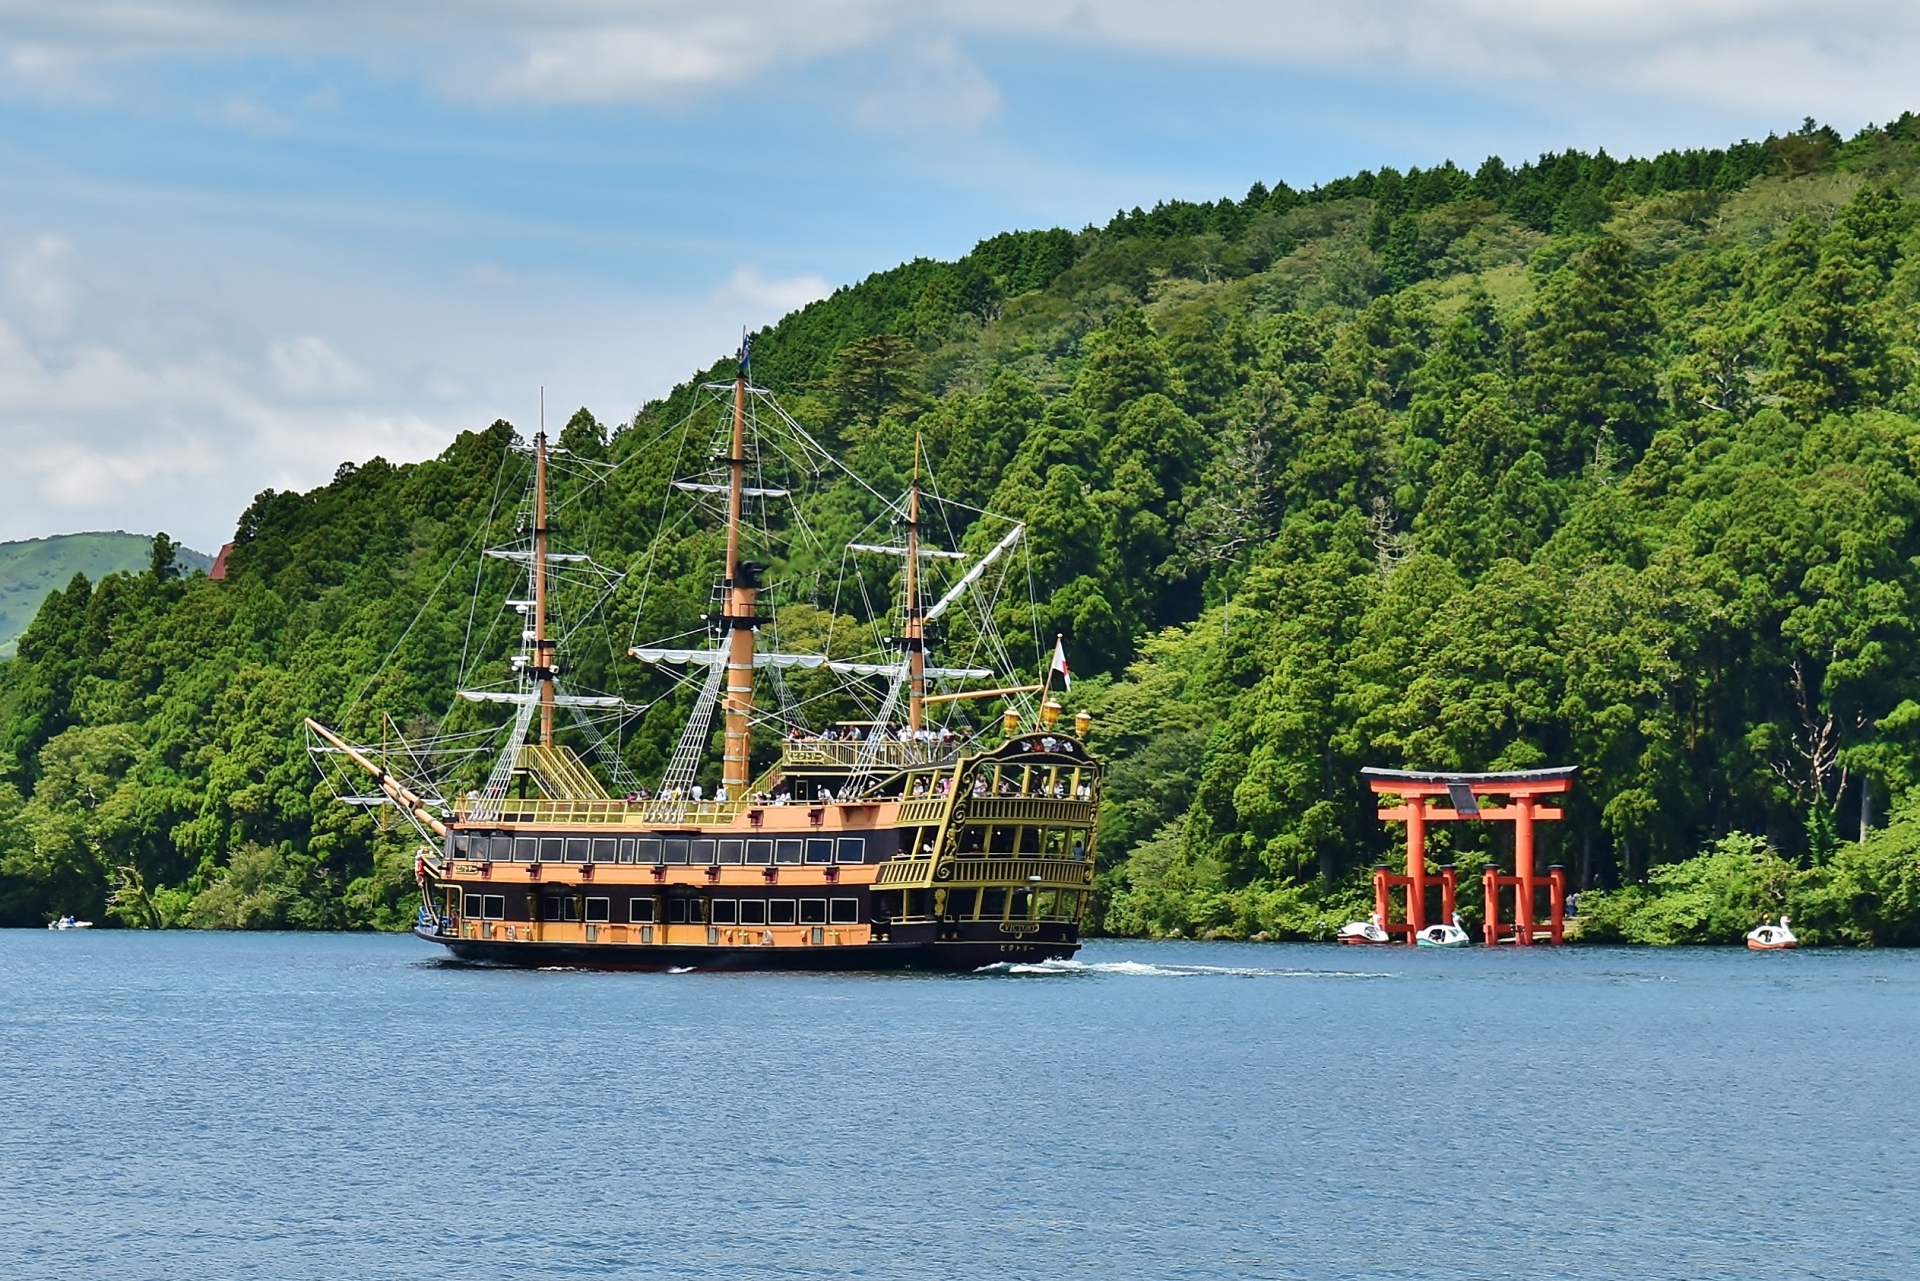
(912,836)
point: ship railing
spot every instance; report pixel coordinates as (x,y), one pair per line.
(1028,809)
(927,810)
(1050,872)
(887,755)
(610,810)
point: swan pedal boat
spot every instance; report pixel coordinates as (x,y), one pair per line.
(1768,937)
(1362,933)
(1441,936)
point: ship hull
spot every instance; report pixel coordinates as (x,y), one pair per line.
(951,956)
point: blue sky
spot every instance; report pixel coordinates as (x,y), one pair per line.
(242,243)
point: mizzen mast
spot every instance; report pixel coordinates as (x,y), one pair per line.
(742,591)
(543,647)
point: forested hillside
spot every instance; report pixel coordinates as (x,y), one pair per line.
(1584,461)
(34,568)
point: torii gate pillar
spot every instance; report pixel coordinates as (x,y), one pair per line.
(1464,792)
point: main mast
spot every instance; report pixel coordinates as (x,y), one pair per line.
(742,592)
(542,647)
(914,622)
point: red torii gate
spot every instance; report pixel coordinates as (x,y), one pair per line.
(1464,792)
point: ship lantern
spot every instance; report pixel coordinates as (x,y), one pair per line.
(1010,723)
(1050,713)
(1082,722)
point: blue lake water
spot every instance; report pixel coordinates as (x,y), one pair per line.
(288,1106)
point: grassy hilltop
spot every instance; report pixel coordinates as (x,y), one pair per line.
(1612,463)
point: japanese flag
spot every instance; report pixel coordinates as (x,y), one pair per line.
(1060,662)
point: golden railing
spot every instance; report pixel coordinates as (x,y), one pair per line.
(1053,873)
(1029,809)
(1004,871)
(611,810)
(930,810)
(887,755)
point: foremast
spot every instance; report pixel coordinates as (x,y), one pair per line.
(913,625)
(742,589)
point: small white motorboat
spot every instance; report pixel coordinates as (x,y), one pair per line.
(1768,937)
(69,922)
(1442,936)
(1362,932)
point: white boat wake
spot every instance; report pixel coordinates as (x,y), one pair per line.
(1143,969)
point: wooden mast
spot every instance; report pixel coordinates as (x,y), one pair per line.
(915,621)
(742,591)
(542,647)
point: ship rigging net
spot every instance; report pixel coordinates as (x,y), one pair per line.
(860,603)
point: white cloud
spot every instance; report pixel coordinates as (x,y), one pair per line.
(933,85)
(249,115)
(308,367)
(749,285)
(1853,55)
(37,283)
(198,365)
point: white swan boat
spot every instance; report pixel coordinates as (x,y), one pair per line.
(1442,935)
(1768,937)
(1363,932)
(69,922)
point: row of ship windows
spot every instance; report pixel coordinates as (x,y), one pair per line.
(702,852)
(995,903)
(679,911)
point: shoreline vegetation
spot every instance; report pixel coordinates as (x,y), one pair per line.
(1592,462)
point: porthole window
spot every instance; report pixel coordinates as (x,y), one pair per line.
(813,911)
(846,911)
(753,911)
(494,907)
(526,850)
(626,851)
(819,851)
(852,849)
(703,853)
(726,912)
(648,852)
(786,851)
(603,850)
(598,909)
(470,906)
(760,852)
(780,911)
(676,851)
(730,851)
(640,911)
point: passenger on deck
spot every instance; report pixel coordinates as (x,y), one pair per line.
(721,795)
(979,784)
